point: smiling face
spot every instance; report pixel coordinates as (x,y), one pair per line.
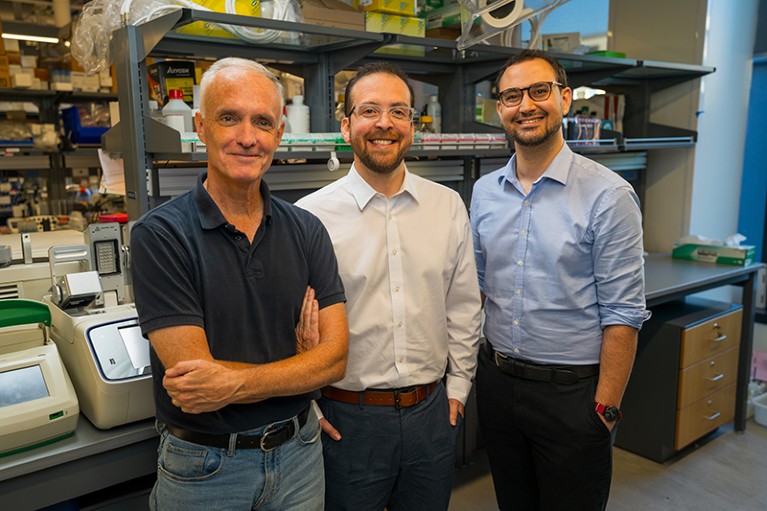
(532,123)
(241,127)
(379,145)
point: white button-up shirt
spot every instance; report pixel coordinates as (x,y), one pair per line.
(408,269)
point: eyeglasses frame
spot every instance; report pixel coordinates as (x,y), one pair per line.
(527,89)
(388,111)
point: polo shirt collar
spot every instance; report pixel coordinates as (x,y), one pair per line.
(363,192)
(209,212)
(558,170)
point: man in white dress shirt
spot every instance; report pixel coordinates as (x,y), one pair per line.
(405,256)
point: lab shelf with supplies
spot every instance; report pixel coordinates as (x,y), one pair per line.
(23,156)
(317,53)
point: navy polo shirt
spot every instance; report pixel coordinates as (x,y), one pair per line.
(191,267)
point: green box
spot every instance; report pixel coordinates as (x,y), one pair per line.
(738,256)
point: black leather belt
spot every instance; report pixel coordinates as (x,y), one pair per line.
(540,372)
(270,440)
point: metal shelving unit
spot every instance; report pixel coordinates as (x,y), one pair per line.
(54,162)
(318,53)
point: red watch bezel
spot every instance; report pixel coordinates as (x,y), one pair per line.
(601,409)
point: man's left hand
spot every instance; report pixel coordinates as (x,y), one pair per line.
(456,407)
(198,386)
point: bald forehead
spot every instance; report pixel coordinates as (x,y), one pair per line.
(238,80)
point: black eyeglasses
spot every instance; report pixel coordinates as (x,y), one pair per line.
(373,112)
(538,92)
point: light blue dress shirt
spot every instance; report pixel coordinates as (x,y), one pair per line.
(559,264)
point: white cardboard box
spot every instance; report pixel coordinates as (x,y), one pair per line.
(760,409)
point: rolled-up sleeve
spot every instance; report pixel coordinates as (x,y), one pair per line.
(618,259)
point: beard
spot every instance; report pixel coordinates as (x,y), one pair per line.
(536,138)
(380,163)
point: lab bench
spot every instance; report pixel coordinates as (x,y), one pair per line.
(92,459)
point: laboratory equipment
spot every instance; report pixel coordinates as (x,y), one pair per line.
(28,275)
(108,359)
(38,404)
(101,344)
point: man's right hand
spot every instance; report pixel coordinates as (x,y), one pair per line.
(326,426)
(308,328)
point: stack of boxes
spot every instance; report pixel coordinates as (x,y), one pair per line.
(5,71)
(443,18)
(395,17)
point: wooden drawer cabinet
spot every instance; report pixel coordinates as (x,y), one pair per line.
(705,415)
(683,382)
(712,337)
(708,376)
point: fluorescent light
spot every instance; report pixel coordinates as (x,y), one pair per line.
(34,38)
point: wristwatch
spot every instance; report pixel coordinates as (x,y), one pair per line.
(610,413)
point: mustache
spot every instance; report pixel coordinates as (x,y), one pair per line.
(526,115)
(383,135)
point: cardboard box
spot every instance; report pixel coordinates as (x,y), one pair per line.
(738,256)
(448,15)
(5,72)
(171,74)
(394,24)
(332,13)
(403,7)
(252,8)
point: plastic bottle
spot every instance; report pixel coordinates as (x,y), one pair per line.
(434,110)
(285,119)
(176,113)
(298,115)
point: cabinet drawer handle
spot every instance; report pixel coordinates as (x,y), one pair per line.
(717,377)
(720,338)
(715,416)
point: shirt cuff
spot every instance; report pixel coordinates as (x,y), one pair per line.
(458,388)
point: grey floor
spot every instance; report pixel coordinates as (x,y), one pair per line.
(728,472)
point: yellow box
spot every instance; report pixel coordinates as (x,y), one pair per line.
(404,7)
(207,29)
(393,24)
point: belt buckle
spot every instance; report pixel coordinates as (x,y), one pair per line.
(265,436)
(396,399)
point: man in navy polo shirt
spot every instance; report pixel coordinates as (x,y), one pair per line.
(240,297)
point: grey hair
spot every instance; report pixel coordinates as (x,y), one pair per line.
(238,64)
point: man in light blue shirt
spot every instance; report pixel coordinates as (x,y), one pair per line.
(558,245)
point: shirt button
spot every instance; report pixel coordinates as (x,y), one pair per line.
(516,350)
(527,203)
(519,263)
(394,252)
(518,292)
(396,289)
(523,232)
(401,359)
(516,322)
(399,324)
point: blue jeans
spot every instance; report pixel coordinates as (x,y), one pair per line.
(196,477)
(402,459)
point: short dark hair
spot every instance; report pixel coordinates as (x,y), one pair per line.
(371,68)
(526,55)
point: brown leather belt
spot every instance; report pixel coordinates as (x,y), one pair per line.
(398,398)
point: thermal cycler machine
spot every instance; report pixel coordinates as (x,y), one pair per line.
(102,346)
